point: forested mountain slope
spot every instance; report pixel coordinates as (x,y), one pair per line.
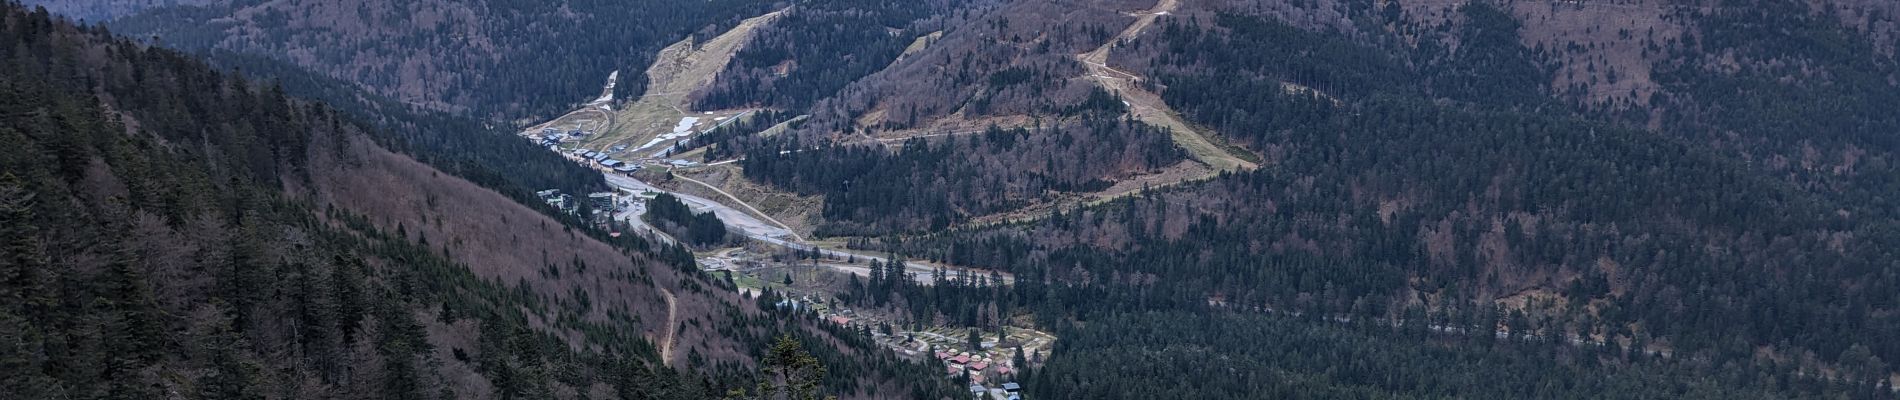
(1740,219)
(480,152)
(1645,170)
(175,231)
(991,61)
(982,106)
(818,48)
(497,59)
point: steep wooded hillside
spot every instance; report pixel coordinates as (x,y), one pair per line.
(176,231)
(153,251)
(482,153)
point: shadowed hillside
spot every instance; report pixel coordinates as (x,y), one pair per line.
(173,230)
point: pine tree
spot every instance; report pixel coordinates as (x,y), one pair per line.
(347,285)
(130,334)
(790,374)
(401,344)
(230,375)
(24,288)
(21,354)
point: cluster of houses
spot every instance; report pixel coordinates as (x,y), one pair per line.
(551,137)
(598,201)
(602,201)
(605,160)
(624,167)
(978,365)
(1011,391)
(558,200)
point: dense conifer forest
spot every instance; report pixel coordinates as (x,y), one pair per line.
(150,252)
(697,228)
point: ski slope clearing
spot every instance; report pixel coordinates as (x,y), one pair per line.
(1147,106)
(677,72)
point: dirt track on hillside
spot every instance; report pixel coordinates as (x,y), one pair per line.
(672,327)
(1147,106)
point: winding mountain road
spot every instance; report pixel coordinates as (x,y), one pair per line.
(748,207)
(770,233)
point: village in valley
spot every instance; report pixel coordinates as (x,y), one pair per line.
(763,255)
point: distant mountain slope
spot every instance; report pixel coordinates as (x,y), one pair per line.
(488,155)
(1434,172)
(923,122)
(818,48)
(494,59)
(105,10)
